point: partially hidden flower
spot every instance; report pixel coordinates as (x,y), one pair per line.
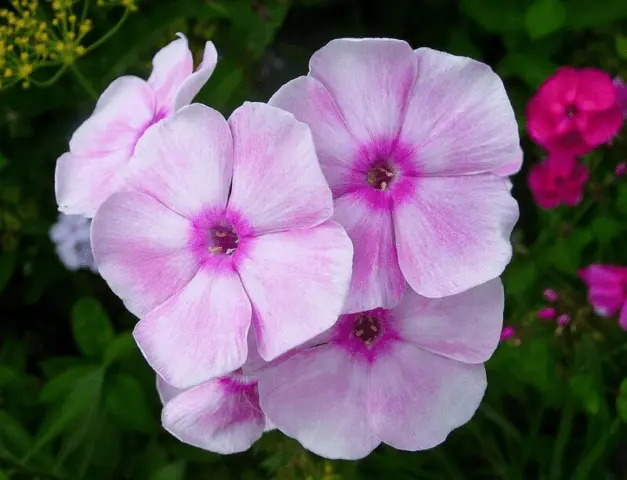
(574,111)
(607,290)
(621,92)
(71,238)
(621,169)
(405,377)
(221,415)
(415,146)
(546,313)
(563,319)
(550,295)
(507,333)
(101,148)
(223,225)
(558,180)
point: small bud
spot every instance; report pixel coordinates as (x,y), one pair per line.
(563,319)
(621,168)
(550,295)
(507,333)
(546,313)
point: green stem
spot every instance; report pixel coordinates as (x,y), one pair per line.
(52,79)
(83,81)
(563,434)
(18,466)
(583,469)
(109,34)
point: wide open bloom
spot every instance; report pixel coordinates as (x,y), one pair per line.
(102,146)
(574,111)
(607,290)
(221,415)
(407,141)
(558,180)
(406,377)
(223,224)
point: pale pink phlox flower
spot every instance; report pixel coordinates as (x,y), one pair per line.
(70,235)
(558,180)
(102,146)
(223,225)
(414,145)
(405,377)
(607,290)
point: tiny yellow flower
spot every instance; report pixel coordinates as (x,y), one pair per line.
(8,73)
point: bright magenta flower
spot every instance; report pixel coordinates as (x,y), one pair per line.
(558,180)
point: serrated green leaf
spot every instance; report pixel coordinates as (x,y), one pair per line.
(172,471)
(127,404)
(63,383)
(123,346)
(91,327)
(544,17)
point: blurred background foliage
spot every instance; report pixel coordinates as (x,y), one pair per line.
(76,398)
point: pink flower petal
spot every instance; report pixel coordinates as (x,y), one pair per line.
(297,282)
(199,332)
(600,127)
(311,103)
(455,232)
(370,81)
(277,179)
(166,391)
(459,119)
(185,161)
(170,67)
(192,84)
(102,146)
(220,415)
(464,327)
(318,397)
(140,248)
(377,280)
(622,319)
(595,90)
(416,398)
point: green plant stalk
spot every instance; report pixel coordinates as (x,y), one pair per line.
(109,34)
(83,81)
(563,433)
(583,469)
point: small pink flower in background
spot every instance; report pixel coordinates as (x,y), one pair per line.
(621,88)
(415,146)
(102,146)
(607,290)
(71,238)
(550,295)
(558,180)
(546,313)
(621,168)
(406,376)
(507,333)
(223,225)
(574,111)
(563,319)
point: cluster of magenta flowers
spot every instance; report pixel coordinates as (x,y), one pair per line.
(326,264)
(573,112)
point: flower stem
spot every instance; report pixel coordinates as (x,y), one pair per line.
(51,80)
(109,34)
(83,81)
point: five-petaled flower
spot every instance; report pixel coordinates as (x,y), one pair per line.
(101,148)
(223,224)
(414,145)
(574,111)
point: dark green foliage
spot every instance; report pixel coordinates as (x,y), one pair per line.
(77,400)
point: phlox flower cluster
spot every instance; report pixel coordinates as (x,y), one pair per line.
(573,112)
(325,264)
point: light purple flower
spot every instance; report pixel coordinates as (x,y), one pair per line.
(223,224)
(415,145)
(71,238)
(507,333)
(607,290)
(406,376)
(102,146)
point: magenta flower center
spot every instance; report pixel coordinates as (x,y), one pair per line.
(380,175)
(223,239)
(571,111)
(366,329)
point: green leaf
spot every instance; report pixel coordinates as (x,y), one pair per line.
(172,471)
(7,265)
(584,389)
(127,404)
(623,388)
(91,327)
(595,13)
(497,16)
(14,435)
(621,408)
(4,161)
(621,199)
(621,46)
(123,346)
(532,67)
(57,365)
(8,376)
(544,17)
(606,228)
(62,384)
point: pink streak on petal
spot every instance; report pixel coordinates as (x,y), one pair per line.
(297,282)
(318,397)
(140,248)
(464,327)
(459,119)
(200,332)
(370,81)
(277,180)
(376,279)
(455,233)
(222,416)
(185,161)
(416,398)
